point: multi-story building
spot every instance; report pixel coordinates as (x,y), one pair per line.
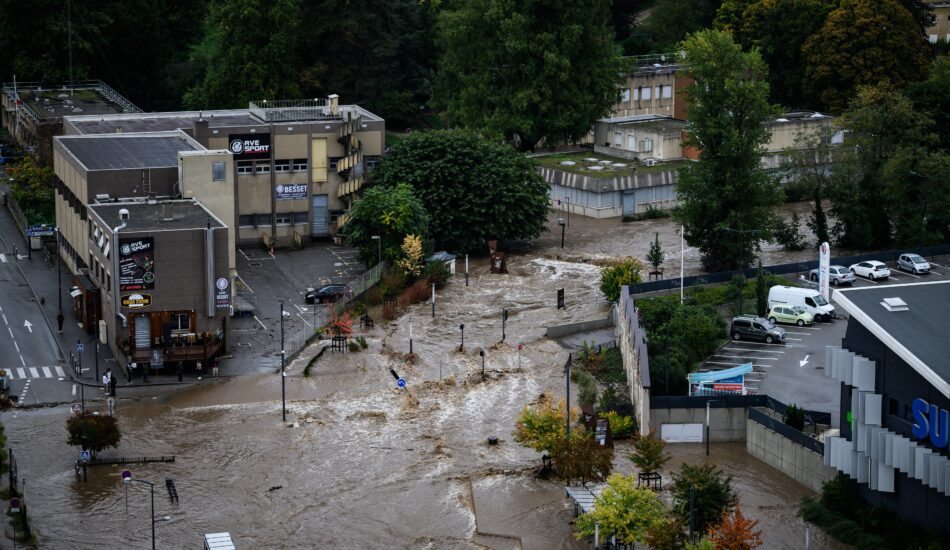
(297,165)
(895,398)
(655,85)
(33,113)
(939,28)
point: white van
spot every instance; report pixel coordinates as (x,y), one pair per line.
(808,298)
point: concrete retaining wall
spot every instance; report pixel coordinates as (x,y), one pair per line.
(724,424)
(790,458)
(559,331)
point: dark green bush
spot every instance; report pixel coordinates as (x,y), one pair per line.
(795,417)
(436,272)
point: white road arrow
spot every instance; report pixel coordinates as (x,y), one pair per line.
(28,325)
(803,361)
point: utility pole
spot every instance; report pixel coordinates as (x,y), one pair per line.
(283,374)
(567,383)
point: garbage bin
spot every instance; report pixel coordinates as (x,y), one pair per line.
(36,243)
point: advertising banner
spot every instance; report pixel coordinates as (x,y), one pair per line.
(824,259)
(249,146)
(222,297)
(136,264)
(133,301)
(292,191)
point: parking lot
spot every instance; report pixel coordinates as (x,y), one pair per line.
(794,372)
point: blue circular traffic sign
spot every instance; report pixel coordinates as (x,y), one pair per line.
(401,383)
(84,455)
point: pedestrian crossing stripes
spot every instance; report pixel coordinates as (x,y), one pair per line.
(23,373)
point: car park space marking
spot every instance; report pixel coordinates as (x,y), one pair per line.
(794,339)
(743,358)
(733,364)
(906,273)
(792,332)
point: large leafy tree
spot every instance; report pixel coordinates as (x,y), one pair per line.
(712,494)
(388,212)
(248,53)
(884,163)
(808,163)
(376,54)
(727,187)
(93,431)
(625,510)
(671,21)
(863,42)
(529,70)
(473,188)
(932,96)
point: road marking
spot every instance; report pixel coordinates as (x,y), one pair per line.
(265,328)
(755,350)
(749,358)
(734,364)
(49,374)
(792,339)
(244,283)
(61,374)
(24,363)
(3,258)
(36,374)
(29,327)
(801,363)
(74,395)
(309,325)
(22,374)
(7,323)
(908,274)
(10,330)
(17,346)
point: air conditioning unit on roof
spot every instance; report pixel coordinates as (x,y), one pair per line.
(650,162)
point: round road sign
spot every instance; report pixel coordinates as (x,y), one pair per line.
(401,383)
(14,505)
(84,456)
(126,475)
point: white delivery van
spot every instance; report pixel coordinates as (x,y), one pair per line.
(808,298)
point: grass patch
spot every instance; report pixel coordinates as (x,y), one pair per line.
(582,167)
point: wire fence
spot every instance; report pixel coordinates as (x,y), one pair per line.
(298,339)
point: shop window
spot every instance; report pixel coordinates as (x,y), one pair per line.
(217,171)
(281,166)
(261,219)
(283,219)
(300,217)
(245,167)
(246,220)
(262,167)
(180,321)
(300,165)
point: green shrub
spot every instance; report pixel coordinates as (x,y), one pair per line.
(797,191)
(620,425)
(712,490)
(436,272)
(626,272)
(354,346)
(795,417)
(362,342)
(374,296)
(628,218)
(789,233)
(358,308)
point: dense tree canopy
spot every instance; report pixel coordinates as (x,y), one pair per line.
(473,188)
(530,70)
(932,96)
(727,187)
(389,212)
(863,42)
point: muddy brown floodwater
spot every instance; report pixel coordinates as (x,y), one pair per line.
(367,465)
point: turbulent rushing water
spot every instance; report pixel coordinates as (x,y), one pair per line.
(367,466)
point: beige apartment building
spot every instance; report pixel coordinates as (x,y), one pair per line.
(939,28)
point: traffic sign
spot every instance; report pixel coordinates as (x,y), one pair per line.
(80,347)
(84,456)
(76,408)
(14,505)
(401,383)
(126,475)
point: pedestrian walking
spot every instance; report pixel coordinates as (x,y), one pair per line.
(60,320)
(214,368)
(145,368)
(180,369)
(129,370)
(106,376)
(198,369)
(112,384)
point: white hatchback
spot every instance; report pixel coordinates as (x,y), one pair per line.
(871,269)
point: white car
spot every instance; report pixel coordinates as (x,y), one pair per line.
(913,263)
(871,269)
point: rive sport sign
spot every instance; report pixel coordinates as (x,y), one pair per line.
(249,146)
(136,264)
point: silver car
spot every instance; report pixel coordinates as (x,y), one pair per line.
(837,275)
(909,261)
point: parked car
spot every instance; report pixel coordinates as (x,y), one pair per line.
(756,328)
(909,261)
(807,298)
(871,269)
(328,293)
(838,275)
(787,313)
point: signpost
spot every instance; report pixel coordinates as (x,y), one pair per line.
(824,259)
(560,298)
(84,456)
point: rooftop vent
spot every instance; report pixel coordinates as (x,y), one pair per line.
(895,304)
(123,215)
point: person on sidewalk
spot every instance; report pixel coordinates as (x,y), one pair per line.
(112,384)
(106,377)
(180,370)
(214,368)
(198,369)
(145,368)
(129,369)
(60,320)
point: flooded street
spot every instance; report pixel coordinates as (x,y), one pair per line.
(367,465)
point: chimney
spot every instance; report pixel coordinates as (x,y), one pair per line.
(334,104)
(123,215)
(201,131)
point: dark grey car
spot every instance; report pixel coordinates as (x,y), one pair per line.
(756,328)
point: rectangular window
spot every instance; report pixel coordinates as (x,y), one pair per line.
(261,219)
(645,93)
(180,321)
(284,219)
(636,94)
(667,93)
(300,217)
(217,174)
(618,141)
(262,167)
(281,166)
(247,220)
(624,97)
(646,145)
(933,40)
(333,161)
(370,162)
(247,167)
(300,165)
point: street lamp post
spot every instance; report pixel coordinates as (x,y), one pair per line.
(127,477)
(462,330)
(379,248)
(708,401)
(567,384)
(560,221)
(59,273)
(504,319)
(410,336)
(283,374)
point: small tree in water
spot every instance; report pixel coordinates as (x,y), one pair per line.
(656,256)
(93,431)
(648,453)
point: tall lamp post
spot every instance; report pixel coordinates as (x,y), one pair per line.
(560,221)
(59,272)
(708,401)
(127,478)
(379,248)
(283,375)
(567,384)
(741,233)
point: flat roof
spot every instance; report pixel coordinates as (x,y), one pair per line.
(916,335)
(157,216)
(114,152)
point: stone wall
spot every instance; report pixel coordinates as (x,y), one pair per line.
(725,424)
(635,359)
(801,464)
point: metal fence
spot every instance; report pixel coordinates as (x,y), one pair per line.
(787,431)
(779,269)
(296,340)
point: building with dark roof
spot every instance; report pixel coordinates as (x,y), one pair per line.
(33,112)
(895,397)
